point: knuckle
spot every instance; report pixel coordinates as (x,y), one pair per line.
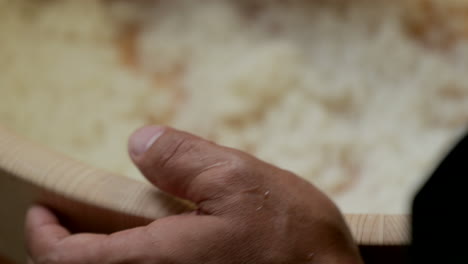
(230,174)
(167,257)
(57,254)
(239,164)
(238,168)
(166,253)
(52,257)
(170,156)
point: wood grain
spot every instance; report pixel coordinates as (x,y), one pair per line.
(385,230)
(101,200)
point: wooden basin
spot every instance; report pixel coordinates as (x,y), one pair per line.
(93,199)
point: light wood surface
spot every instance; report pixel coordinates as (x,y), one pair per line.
(104,201)
(384,230)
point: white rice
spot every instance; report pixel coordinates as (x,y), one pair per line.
(339,93)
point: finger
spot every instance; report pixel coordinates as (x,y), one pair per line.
(191,238)
(42,230)
(191,167)
(49,242)
(95,248)
(164,241)
(176,239)
(45,237)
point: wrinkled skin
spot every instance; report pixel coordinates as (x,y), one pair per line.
(248,212)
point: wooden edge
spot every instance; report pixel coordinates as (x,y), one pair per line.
(63,179)
(60,177)
(384,230)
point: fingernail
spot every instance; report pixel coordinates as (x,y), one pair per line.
(143,139)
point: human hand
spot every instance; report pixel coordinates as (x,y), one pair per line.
(248,212)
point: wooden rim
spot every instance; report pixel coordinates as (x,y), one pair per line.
(61,179)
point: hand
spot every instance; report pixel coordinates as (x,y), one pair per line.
(248,212)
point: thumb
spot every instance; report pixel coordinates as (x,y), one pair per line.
(190,167)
